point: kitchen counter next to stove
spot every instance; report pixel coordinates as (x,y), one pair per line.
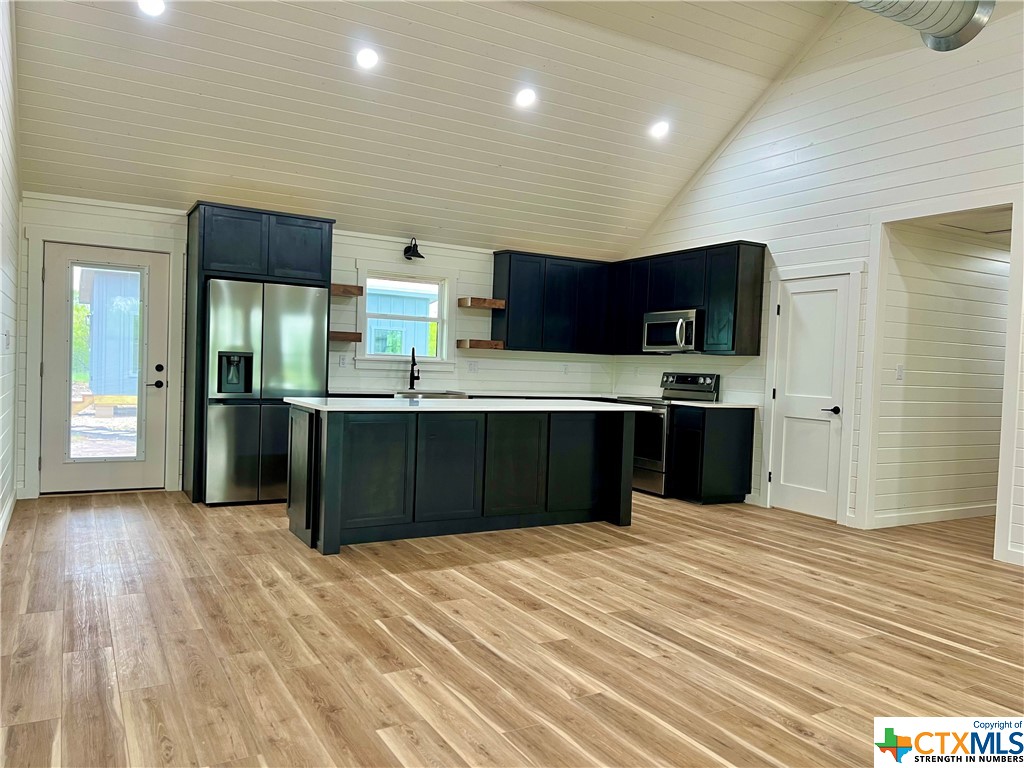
(380,469)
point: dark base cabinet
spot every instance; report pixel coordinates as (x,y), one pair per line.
(360,477)
(517,463)
(449,466)
(710,454)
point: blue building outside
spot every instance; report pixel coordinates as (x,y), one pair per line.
(113,354)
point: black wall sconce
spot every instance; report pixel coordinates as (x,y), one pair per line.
(412,251)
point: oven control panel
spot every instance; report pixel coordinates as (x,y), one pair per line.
(690,382)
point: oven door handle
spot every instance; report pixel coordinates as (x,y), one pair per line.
(679,332)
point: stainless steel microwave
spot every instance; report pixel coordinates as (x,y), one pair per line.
(670,331)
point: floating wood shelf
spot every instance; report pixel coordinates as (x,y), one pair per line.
(479,344)
(339,289)
(344,336)
(474,302)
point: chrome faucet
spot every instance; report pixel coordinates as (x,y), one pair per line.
(414,371)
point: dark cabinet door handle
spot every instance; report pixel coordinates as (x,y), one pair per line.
(834,409)
(158,384)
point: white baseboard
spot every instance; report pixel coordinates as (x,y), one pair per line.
(931,515)
(5,517)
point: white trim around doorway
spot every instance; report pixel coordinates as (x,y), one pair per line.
(37,236)
(864,513)
(854,269)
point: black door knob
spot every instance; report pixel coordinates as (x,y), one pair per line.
(158,384)
(834,409)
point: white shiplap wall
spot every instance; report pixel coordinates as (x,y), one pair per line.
(8,265)
(85,222)
(861,124)
(1016,537)
(944,319)
(470,272)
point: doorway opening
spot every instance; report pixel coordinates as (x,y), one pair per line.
(943,314)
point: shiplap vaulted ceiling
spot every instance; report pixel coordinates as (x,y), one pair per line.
(261,103)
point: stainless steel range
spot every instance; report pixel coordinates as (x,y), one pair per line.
(651,439)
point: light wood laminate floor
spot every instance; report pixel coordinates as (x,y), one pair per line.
(138,629)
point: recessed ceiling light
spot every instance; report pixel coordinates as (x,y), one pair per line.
(367,58)
(526,98)
(659,130)
(151,7)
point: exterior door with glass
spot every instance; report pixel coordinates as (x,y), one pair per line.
(104,371)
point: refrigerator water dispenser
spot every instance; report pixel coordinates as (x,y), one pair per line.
(234,373)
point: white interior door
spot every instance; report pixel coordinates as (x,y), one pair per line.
(104,399)
(810,378)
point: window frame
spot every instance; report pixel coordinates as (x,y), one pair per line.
(446,301)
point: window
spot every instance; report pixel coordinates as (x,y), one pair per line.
(402,315)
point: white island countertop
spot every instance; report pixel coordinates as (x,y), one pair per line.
(477,404)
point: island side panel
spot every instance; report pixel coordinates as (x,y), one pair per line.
(331,437)
(303,474)
(622,511)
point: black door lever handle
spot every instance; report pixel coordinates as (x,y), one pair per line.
(834,409)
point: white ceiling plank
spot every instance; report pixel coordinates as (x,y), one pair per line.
(261,104)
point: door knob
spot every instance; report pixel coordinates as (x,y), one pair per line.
(158,384)
(834,409)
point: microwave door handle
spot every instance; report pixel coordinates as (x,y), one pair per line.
(679,332)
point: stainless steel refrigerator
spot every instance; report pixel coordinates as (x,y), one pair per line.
(265,342)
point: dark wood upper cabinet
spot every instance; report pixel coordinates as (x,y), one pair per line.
(299,248)
(234,241)
(519,279)
(561,302)
(265,244)
(732,316)
(637,303)
(676,282)
(555,304)
(593,310)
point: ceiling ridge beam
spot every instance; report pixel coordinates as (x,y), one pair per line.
(769,91)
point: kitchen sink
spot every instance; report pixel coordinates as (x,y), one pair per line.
(433,394)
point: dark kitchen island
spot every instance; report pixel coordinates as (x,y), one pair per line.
(379,469)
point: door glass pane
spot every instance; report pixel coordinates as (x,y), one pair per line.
(106,355)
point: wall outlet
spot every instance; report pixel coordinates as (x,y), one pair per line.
(899,372)
(473,366)
(342,361)
(565,370)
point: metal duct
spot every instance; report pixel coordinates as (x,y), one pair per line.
(944,25)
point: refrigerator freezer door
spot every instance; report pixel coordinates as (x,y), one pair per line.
(274,452)
(232,453)
(236,325)
(294,341)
